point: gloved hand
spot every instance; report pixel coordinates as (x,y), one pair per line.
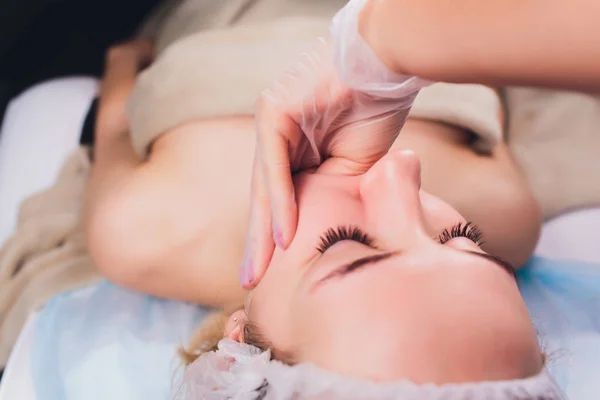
(339,109)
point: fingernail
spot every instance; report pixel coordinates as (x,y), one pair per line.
(246,272)
(278,237)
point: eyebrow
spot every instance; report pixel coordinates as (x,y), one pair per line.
(374,259)
(508,267)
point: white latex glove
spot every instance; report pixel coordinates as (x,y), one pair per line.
(357,64)
(338,109)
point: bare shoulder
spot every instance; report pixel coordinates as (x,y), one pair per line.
(487,189)
(177,228)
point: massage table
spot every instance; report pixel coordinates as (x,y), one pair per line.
(42,126)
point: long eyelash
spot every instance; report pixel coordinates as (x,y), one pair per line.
(332,236)
(468,230)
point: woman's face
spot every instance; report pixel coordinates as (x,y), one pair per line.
(401,304)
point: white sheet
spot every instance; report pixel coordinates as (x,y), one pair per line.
(40,128)
(573,236)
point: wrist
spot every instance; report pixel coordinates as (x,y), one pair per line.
(374,26)
(404,35)
(369,28)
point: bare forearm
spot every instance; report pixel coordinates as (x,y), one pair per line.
(114,164)
(114,157)
(501,42)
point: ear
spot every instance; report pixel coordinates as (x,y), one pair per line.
(235,325)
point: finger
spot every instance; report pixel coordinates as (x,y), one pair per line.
(259,241)
(277,136)
(145,50)
(129,57)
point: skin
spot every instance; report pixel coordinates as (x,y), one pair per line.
(410,315)
(172,226)
(550,43)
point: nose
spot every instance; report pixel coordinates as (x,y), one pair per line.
(391,199)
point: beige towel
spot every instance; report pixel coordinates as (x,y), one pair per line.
(222,72)
(554,136)
(215,73)
(267,37)
(47,254)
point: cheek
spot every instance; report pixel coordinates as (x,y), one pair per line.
(438,214)
(318,320)
(269,303)
(275,283)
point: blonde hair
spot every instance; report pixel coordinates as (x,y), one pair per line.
(206,337)
(212,330)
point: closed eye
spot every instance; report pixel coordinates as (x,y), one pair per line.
(468,230)
(332,236)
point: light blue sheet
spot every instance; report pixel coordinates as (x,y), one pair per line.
(105,342)
(563,298)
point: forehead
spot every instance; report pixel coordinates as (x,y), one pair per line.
(392,305)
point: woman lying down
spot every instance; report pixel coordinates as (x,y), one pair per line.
(361,305)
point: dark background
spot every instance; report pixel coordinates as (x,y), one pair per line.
(44,39)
